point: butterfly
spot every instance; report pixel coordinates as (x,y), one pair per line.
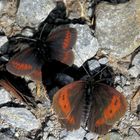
(30,60)
(91,104)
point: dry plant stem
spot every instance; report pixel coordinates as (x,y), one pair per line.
(38,88)
(83,13)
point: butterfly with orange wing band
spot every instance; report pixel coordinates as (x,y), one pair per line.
(91,104)
(58,47)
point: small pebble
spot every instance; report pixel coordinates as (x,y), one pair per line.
(3,40)
(103,61)
(93,64)
(76,135)
(91,136)
(134,71)
(4,96)
(27,32)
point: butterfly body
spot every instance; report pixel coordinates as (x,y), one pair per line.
(93,105)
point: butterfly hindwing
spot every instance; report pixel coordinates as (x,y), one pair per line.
(68,104)
(37,73)
(108,106)
(23,63)
(66,57)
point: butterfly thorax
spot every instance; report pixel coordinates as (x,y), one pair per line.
(41,50)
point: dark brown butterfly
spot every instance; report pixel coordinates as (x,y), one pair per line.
(58,47)
(94,105)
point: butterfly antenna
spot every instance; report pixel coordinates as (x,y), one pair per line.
(82,62)
(19,37)
(100,71)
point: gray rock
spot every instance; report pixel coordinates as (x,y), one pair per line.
(118,27)
(32,86)
(134,71)
(53,128)
(103,61)
(136,60)
(86,45)
(31,13)
(63,133)
(50,125)
(76,134)
(119,88)
(91,136)
(113,136)
(133,134)
(93,64)
(4,96)
(121,80)
(51,138)
(2,5)
(3,125)
(20,118)
(3,40)
(133,137)
(4,137)
(24,138)
(45,135)
(128,90)
(27,32)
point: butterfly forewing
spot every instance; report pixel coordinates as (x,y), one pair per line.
(23,63)
(61,42)
(62,39)
(68,104)
(108,107)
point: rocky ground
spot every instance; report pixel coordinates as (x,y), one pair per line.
(116,36)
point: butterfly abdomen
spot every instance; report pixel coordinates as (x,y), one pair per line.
(87,105)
